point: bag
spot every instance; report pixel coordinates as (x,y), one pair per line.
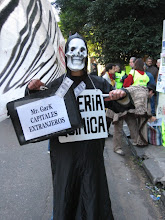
(154,135)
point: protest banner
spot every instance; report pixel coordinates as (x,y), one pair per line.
(161,106)
(32,46)
(160,87)
(91,106)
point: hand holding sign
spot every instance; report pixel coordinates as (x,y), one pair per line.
(115,95)
(35,84)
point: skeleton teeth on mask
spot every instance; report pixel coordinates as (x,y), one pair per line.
(76,54)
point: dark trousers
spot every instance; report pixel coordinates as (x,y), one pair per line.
(153,98)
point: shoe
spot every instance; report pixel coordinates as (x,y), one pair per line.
(134,144)
(120,152)
(48,152)
(141,146)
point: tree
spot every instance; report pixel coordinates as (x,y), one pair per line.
(73,15)
(118,29)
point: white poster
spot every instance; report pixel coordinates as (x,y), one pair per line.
(43,117)
(32,47)
(91,106)
(160,87)
(161,106)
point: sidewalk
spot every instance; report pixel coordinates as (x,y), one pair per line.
(153,163)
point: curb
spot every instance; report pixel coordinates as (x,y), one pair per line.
(153,170)
(150,166)
(163,197)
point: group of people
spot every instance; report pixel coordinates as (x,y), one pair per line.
(141,83)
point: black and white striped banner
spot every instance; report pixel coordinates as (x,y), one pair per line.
(31,46)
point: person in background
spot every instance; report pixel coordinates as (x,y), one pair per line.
(154,71)
(151,68)
(94,69)
(137,76)
(129,67)
(136,119)
(110,77)
(110,74)
(152,81)
(132,62)
(120,75)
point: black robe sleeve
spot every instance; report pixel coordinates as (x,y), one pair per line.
(120,105)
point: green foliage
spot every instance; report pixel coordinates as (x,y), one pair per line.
(116,29)
(72,16)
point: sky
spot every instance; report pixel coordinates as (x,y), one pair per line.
(55,11)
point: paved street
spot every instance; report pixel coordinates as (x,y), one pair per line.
(26,187)
(127,184)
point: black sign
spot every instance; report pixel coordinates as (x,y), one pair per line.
(43,117)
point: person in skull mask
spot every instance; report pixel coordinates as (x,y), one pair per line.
(80,189)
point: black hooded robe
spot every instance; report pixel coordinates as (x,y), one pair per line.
(80,190)
(79,179)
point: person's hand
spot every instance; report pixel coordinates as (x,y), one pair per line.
(115,95)
(152,119)
(35,84)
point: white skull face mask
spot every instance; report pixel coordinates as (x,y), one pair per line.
(76,54)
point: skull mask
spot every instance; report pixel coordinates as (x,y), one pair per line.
(76,54)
